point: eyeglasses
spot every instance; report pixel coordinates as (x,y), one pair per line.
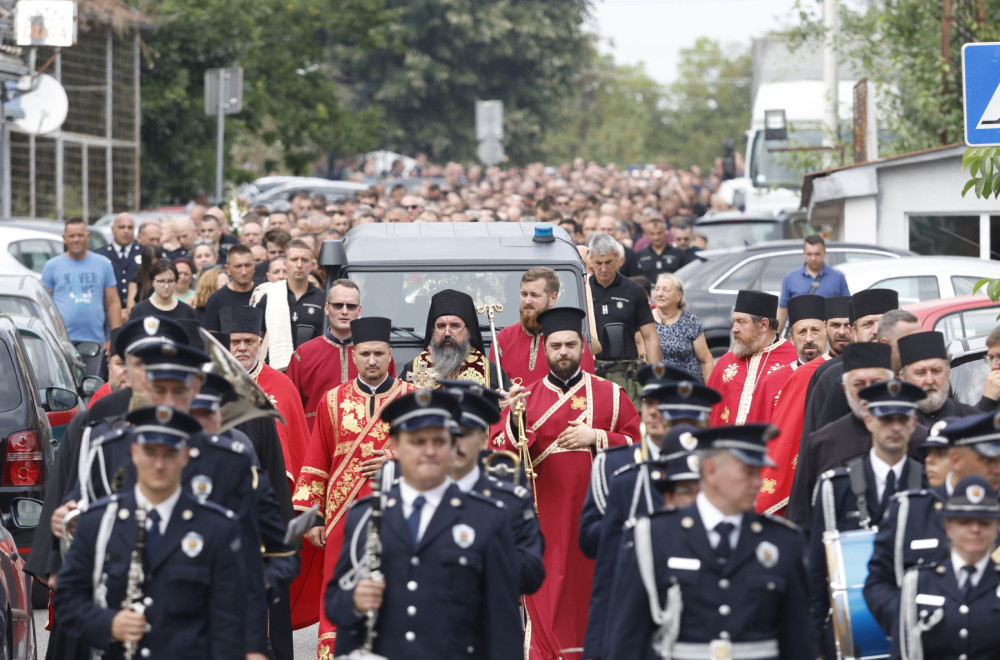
(350,306)
(412,207)
(165,282)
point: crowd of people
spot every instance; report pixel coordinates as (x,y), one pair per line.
(596,494)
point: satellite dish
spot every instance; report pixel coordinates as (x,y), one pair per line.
(45,106)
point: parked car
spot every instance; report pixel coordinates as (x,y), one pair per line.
(278,195)
(968,368)
(25,251)
(962,316)
(922,278)
(26,296)
(51,369)
(726,229)
(16,611)
(26,452)
(713,279)
(96,241)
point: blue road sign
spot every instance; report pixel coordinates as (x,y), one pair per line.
(981,79)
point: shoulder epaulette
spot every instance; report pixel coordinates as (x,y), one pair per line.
(784,522)
(664,512)
(99,503)
(508,488)
(915,492)
(841,471)
(224,442)
(477,496)
(359,501)
(111,436)
(212,506)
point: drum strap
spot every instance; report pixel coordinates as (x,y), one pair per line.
(856,469)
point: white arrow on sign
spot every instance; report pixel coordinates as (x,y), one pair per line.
(991,115)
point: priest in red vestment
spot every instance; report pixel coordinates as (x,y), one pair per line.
(521,354)
(569,416)
(807,332)
(349,444)
(789,411)
(756,351)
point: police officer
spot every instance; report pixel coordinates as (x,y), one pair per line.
(450,575)
(639,489)
(191,598)
(478,412)
(609,461)
(714,579)
(856,495)
(949,609)
(124,253)
(912,531)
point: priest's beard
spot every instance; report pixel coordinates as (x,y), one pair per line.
(745,348)
(934,401)
(448,355)
(529,320)
(856,405)
(565,369)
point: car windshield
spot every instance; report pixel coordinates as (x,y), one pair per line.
(405,296)
(10,396)
(967,380)
(771,168)
(49,370)
(19,306)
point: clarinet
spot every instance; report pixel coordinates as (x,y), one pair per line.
(136,577)
(372,562)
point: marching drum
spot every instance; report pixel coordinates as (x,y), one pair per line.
(857,634)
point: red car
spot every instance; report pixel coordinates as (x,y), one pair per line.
(958,317)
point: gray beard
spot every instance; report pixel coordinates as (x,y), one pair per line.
(933,402)
(856,407)
(448,358)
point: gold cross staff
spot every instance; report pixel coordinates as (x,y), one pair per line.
(489,309)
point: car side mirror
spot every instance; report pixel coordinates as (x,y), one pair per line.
(89,349)
(25,512)
(614,349)
(59,399)
(90,385)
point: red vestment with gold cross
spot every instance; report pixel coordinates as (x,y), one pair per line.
(558,611)
(344,436)
(738,380)
(522,355)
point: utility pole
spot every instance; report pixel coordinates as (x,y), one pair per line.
(831,76)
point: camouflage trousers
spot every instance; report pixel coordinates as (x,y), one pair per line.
(623,373)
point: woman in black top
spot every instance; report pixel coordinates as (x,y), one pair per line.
(163,277)
(141,286)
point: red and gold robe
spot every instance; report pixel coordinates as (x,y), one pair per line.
(522,355)
(344,436)
(294,432)
(738,380)
(768,390)
(558,611)
(788,414)
(319,365)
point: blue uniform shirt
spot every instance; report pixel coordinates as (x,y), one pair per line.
(798,283)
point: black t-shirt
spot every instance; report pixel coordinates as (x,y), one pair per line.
(624,301)
(306,311)
(224,297)
(146,308)
(652,264)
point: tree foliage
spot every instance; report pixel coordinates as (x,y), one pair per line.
(619,114)
(443,55)
(291,99)
(899,45)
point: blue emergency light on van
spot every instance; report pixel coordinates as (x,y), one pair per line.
(543,234)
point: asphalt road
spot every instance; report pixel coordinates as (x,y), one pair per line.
(305,639)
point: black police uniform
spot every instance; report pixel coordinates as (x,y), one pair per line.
(606,464)
(528,541)
(651,264)
(453,595)
(756,601)
(840,498)
(966,628)
(622,301)
(195,584)
(126,267)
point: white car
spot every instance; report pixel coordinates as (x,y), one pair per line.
(920,278)
(25,251)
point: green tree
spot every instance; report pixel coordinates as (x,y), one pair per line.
(443,55)
(291,99)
